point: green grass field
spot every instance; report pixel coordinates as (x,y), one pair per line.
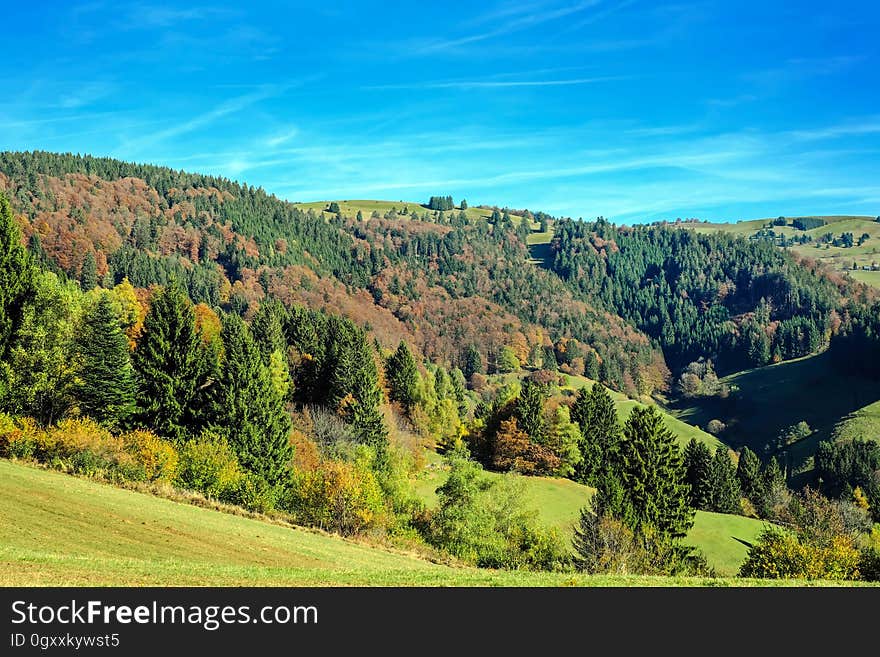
(351,208)
(839,258)
(559,502)
(59,530)
(863,423)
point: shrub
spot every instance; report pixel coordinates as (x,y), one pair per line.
(781,555)
(252,492)
(82,446)
(338,496)
(208,464)
(18,438)
(869,564)
(156,457)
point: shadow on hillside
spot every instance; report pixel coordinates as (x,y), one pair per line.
(765,401)
(542,254)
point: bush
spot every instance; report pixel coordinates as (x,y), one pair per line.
(18,438)
(781,555)
(487,523)
(82,446)
(869,564)
(337,496)
(251,492)
(208,464)
(157,458)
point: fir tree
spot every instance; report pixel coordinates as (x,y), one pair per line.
(366,414)
(653,474)
(773,488)
(247,408)
(698,463)
(473,362)
(724,486)
(106,380)
(748,471)
(529,410)
(596,415)
(16,276)
(88,276)
(402,375)
(172,367)
(268,328)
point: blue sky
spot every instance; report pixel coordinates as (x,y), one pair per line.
(634,110)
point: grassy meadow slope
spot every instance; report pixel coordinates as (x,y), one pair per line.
(839,258)
(721,537)
(58,530)
(367,207)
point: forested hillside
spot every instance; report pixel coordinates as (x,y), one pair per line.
(189,333)
(439,279)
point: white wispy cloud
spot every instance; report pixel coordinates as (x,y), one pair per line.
(226,108)
(280,138)
(465,85)
(849,129)
(535,14)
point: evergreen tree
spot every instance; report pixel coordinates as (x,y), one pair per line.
(247,408)
(88,276)
(473,362)
(464,205)
(172,367)
(267,328)
(366,415)
(698,463)
(354,381)
(773,489)
(549,358)
(106,386)
(16,276)
(596,415)
(748,471)
(529,410)
(402,376)
(724,486)
(591,366)
(653,474)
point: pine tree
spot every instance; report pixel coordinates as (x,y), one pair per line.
(16,276)
(698,463)
(596,415)
(653,474)
(773,488)
(268,328)
(748,471)
(402,375)
(172,367)
(247,408)
(529,410)
(473,362)
(591,366)
(724,486)
(106,386)
(366,415)
(88,276)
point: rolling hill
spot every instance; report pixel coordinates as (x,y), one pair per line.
(866,256)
